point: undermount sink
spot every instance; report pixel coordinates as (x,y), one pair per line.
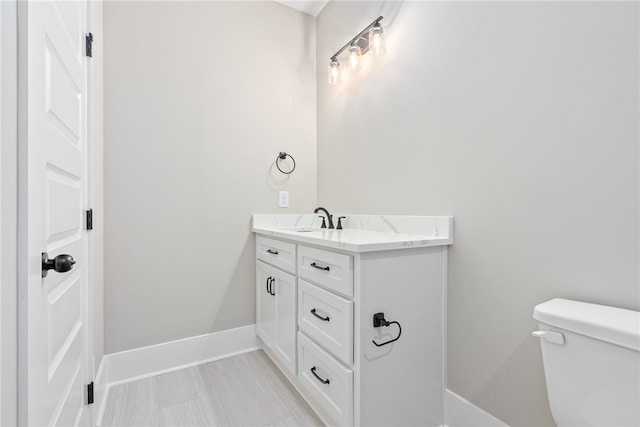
(301,229)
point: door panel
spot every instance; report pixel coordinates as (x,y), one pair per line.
(63,98)
(67,414)
(64,318)
(64,207)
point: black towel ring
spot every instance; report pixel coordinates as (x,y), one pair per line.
(378,321)
(283,156)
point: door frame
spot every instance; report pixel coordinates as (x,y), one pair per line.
(8,211)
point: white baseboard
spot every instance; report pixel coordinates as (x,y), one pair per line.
(462,413)
(144,362)
(169,356)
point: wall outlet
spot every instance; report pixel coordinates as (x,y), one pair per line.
(283,199)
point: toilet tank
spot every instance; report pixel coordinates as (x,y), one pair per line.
(591,356)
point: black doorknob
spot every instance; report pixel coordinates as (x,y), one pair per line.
(61,264)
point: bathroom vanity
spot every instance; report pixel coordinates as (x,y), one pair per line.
(354,318)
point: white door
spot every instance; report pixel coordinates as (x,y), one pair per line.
(55,342)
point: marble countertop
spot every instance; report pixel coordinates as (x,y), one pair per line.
(361,233)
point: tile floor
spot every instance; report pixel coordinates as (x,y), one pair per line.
(246,390)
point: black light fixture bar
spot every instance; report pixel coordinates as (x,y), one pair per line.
(364,34)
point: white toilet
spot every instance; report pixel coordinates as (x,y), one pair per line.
(591,356)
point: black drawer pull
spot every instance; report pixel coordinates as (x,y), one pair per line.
(313,371)
(326,319)
(314,265)
(271,251)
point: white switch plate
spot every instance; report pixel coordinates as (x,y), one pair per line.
(283,199)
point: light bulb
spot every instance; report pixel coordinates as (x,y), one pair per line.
(354,58)
(376,40)
(334,72)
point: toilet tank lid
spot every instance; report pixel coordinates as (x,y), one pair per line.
(615,325)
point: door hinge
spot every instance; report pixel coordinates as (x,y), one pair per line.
(90,393)
(89,219)
(89,45)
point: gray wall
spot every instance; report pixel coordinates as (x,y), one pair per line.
(521,120)
(199,99)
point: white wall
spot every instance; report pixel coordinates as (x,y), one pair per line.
(8,207)
(521,120)
(199,99)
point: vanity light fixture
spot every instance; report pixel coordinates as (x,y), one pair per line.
(354,58)
(376,40)
(334,72)
(369,39)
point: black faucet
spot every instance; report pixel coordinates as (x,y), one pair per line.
(329,216)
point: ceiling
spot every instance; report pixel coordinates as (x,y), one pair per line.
(311,7)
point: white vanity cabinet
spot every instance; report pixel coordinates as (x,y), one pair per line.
(341,281)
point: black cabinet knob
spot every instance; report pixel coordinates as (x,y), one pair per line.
(60,264)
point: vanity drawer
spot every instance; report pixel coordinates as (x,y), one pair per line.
(329,269)
(276,252)
(327,318)
(327,381)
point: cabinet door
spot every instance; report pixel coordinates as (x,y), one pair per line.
(285,319)
(265,303)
